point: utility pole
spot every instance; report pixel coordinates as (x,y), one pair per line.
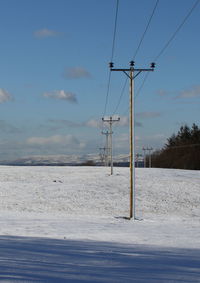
(102,155)
(137,159)
(144,149)
(110,121)
(132,73)
(106,147)
(148,149)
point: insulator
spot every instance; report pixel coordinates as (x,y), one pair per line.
(153,65)
(132,63)
(111,65)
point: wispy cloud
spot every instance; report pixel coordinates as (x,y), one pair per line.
(44,33)
(148,115)
(8,128)
(162,92)
(53,140)
(91,123)
(61,95)
(5,96)
(123,122)
(193,92)
(121,142)
(76,73)
(60,124)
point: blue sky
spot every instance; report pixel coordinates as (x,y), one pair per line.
(54,74)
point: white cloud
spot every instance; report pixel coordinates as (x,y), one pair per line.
(4,96)
(53,140)
(76,73)
(62,95)
(93,123)
(43,33)
(124,121)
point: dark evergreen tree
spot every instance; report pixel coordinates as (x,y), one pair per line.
(182,150)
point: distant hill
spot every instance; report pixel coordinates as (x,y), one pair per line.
(63,160)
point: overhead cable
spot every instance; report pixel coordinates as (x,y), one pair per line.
(170,40)
(148,24)
(177,30)
(137,49)
(112,55)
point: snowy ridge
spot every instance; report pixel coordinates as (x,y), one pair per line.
(58,160)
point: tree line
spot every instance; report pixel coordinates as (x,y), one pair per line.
(182,150)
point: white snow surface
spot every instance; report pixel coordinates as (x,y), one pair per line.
(74,207)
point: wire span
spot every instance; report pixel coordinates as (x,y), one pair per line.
(112,55)
(169,41)
(145,31)
(137,49)
(177,30)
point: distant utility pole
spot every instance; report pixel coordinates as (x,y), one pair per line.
(144,150)
(132,73)
(148,149)
(106,147)
(111,121)
(137,159)
(102,155)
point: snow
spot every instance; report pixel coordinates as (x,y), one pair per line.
(66,224)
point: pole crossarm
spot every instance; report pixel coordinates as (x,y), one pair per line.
(106,133)
(110,120)
(133,69)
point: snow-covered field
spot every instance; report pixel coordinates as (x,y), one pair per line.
(66,224)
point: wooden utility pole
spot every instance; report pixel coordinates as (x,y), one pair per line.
(102,155)
(144,150)
(132,73)
(110,121)
(148,149)
(106,147)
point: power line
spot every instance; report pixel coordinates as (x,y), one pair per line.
(141,86)
(181,146)
(148,24)
(138,91)
(107,93)
(112,55)
(169,41)
(137,49)
(115,29)
(120,98)
(177,30)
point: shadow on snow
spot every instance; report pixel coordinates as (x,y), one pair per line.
(50,260)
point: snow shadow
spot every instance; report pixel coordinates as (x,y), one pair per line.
(26,259)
